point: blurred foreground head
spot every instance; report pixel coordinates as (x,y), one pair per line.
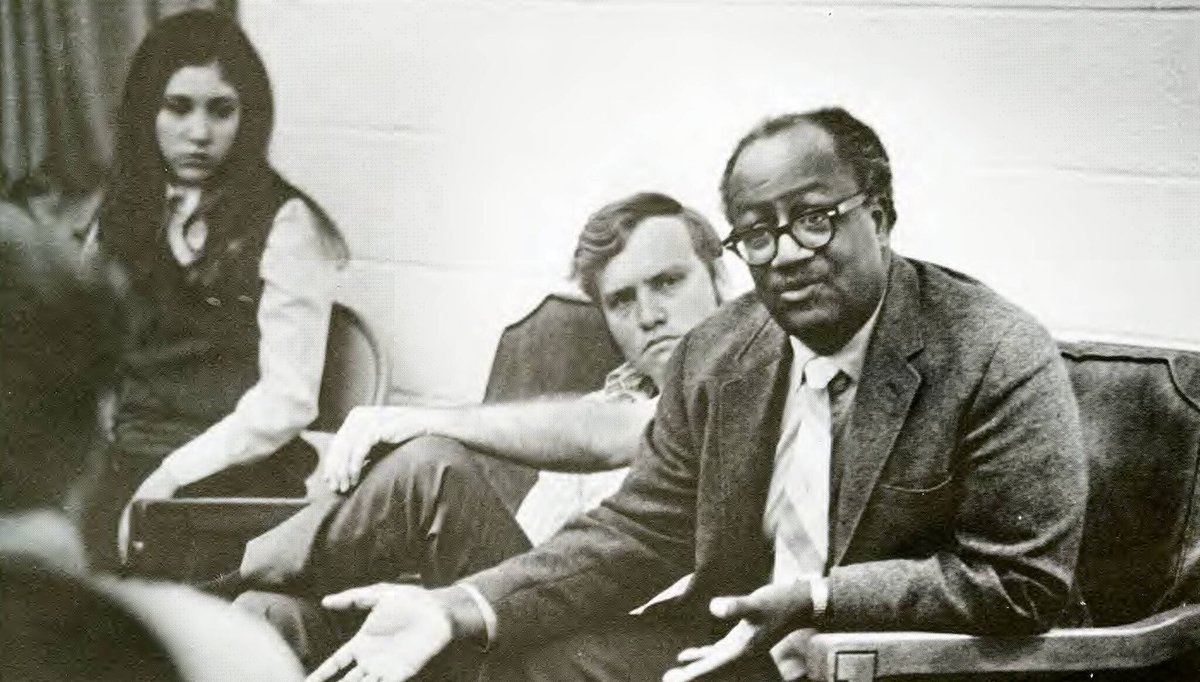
(58,341)
(56,626)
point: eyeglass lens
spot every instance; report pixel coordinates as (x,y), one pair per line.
(811,231)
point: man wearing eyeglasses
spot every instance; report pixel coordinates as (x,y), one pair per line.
(869,442)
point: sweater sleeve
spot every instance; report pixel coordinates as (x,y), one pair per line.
(299,278)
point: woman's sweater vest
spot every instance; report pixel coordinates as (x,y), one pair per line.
(193,340)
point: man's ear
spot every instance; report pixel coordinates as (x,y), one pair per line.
(879,215)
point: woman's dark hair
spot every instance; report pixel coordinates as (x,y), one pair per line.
(239,194)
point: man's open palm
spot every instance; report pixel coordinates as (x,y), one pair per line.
(405,629)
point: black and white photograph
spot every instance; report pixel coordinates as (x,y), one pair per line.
(599,340)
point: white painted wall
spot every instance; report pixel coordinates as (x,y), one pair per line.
(1053,153)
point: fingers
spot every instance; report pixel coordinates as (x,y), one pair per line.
(705,659)
(123,536)
(357,597)
(347,453)
(336,466)
(731,607)
(702,666)
(361,675)
(342,658)
(693,653)
(751,606)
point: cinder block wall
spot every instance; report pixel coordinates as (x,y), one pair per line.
(1052,151)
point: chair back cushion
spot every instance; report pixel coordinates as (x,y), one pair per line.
(1140,409)
(561,347)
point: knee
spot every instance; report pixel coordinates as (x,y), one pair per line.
(273,607)
(298,621)
(285,613)
(424,458)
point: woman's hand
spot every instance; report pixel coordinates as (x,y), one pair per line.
(160,485)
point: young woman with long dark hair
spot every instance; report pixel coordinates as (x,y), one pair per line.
(231,270)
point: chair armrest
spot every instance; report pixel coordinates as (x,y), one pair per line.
(192,538)
(865,656)
(209,513)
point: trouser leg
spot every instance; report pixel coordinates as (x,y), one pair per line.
(424,508)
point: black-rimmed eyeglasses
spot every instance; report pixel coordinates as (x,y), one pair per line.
(813,230)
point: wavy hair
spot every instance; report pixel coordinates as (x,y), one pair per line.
(608,229)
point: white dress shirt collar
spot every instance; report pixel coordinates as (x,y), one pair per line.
(849,358)
(186,232)
(188,198)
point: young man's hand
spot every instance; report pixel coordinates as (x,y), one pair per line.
(364,428)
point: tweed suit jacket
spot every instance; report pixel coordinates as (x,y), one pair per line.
(960,506)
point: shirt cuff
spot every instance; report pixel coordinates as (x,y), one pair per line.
(485,610)
(819,591)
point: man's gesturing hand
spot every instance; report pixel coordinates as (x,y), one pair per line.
(765,616)
(406,628)
(364,428)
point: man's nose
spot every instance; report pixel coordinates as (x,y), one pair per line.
(787,248)
(651,312)
(788,251)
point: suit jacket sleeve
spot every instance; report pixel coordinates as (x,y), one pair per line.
(618,555)
(1022,475)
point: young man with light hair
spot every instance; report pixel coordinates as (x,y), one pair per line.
(651,265)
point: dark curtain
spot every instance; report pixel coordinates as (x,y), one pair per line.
(62,68)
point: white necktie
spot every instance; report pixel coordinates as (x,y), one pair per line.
(797,513)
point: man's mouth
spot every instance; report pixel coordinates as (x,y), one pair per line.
(795,293)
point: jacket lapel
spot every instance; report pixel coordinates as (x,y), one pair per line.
(748,408)
(885,392)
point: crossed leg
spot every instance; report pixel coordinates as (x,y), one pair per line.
(426,508)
